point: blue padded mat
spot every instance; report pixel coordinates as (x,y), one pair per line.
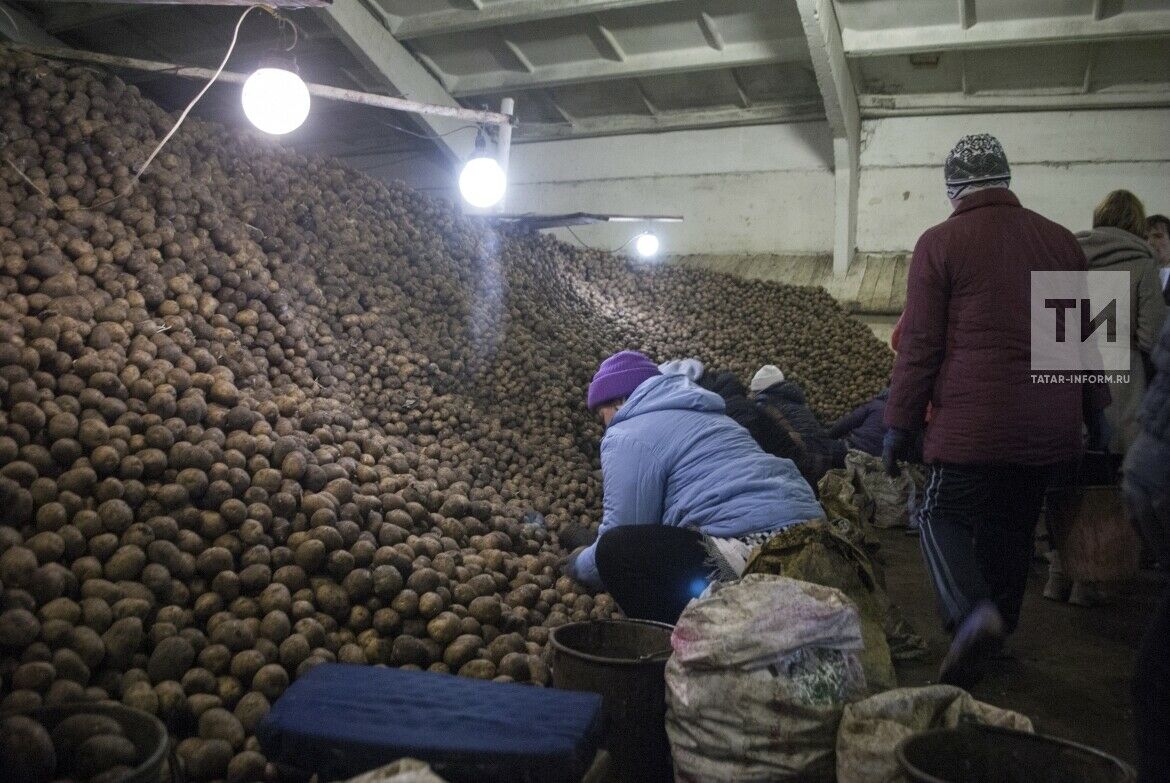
(340,720)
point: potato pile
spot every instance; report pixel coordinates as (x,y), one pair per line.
(264,412)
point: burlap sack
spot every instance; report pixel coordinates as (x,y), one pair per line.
(816,552)
(871,729)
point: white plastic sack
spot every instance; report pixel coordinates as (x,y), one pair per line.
(759,674)
(401,771)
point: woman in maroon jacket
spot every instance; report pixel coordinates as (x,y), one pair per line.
(995,439)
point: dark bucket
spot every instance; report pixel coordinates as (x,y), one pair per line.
(624,661)
(989,754)
(143,729)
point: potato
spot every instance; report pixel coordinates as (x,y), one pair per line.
(246,767)
(478,669)
(218,723)
(271,681)
(18,628)
(26,750)
(209,759)
(461,651)
(98,753)
(170,659)
(250,710)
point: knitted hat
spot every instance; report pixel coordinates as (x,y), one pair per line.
(765,377)
(977,161)
(618,376)
(692,368)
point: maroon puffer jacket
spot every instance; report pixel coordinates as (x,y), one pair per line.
(966,343)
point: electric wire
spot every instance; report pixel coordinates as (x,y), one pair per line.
(587,246)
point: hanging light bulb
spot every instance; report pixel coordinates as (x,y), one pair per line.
(646,244)
(275,98)
(482,182)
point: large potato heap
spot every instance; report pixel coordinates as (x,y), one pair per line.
(264,412)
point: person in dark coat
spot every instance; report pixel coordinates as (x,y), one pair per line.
(864,427)
(1146,487)
(783,405)
(996,438)
(739,407)
(1158,235)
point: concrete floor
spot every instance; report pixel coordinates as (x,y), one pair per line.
(1071,667)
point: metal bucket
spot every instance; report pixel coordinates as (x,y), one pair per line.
(989,754)
(141,728)
(624,661)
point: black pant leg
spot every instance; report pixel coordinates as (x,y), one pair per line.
(1004,535)
(1151,697)
(652,571)
(956,497)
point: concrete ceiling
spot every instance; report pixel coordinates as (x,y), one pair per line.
(595,67)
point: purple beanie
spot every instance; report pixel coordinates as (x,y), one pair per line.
(618,376)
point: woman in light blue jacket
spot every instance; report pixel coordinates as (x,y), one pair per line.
(677,472)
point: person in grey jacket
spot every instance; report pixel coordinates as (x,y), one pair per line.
(1147,497)
(1117,244)
(676,471)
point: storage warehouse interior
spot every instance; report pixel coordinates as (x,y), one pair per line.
(584,390)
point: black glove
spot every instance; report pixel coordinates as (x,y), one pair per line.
(1099,433)
(1146,487)
(896,445)
(575,536)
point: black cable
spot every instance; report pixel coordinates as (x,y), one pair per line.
(426,135)
(590,247)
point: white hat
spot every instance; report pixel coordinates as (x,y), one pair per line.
(692,368)
(766,376)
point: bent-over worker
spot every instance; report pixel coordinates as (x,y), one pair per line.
(676,471)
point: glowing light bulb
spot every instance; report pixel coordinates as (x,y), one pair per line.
(275,100)
(646,245)
(482,182)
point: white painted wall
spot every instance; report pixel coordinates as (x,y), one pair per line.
(758,189)
(1063,164)
(769,189)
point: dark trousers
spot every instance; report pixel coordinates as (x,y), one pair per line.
(652,571)
(1151,697)
(977,523)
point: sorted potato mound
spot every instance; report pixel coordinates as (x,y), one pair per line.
(264,412)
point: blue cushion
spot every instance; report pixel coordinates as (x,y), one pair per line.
(340,720)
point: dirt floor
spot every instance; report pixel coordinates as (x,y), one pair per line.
(1070,667)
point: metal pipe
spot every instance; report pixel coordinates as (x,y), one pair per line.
(504,145)
(317,90)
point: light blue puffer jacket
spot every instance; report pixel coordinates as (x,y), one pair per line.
(671,457)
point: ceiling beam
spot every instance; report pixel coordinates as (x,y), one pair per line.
(274,3)
(398,72)
(876,106)
(733,55)
(668,121)
(62,17)
(1016,32)
(18,27)
(506,12)
(835,80)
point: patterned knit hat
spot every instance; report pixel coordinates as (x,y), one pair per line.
(976,162)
